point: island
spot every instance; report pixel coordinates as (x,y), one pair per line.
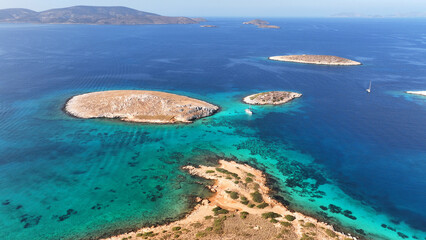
(90,15)
(316,59)
(271,98)
(421,93)
(261,24)
(208,26)
(139,106)
(241,207)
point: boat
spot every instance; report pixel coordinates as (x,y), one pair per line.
(248,111)
(369,88)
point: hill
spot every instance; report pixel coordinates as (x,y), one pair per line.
(90,15)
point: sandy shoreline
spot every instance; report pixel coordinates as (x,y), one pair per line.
(241,208)
(421,93)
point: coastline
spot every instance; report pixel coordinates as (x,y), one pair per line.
(290,58)
(136,106)
(232,198)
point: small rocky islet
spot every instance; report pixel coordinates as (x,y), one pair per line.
(261,24)
(271,98)
(316,59)
(139,106)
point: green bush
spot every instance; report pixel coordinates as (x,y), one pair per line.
(273,220)
(249,180)
(257,197)
(330,233)
(290,217)
(201,234)
(234,195)
(176,228)
(219,210)
(306,237)
(209,171)
(209,229)
(286,224)
(262,205)
(244,215)
(309,225)
(208,217)
(251,205)
(245,202)
(197,225)
(250,175)
(218,225)
(270,215)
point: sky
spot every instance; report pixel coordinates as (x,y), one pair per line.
(239,8)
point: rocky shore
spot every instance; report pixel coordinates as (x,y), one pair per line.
(316,59)
(421,93)
(261,24)
(139,106)
(271,98)
(241,208)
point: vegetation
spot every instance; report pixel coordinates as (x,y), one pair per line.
(146,234)
(262,205)
(309,225)
(289,217)
(208,217)
(244,215)
(176,228)
(330,233)
(273,220)
(197,225)
(234,195)
(306,237)
(222,170)
(286,224)
(249,180)
(201,234)
(250,175)
(251,205)
(257,197)
(209,171)
(219,210)
(270,215)
(218,225)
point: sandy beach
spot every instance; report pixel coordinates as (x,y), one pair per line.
(241,208)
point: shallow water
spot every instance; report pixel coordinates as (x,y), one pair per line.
(67,178)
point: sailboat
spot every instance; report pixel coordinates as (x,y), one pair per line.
(369,88)
(248,111)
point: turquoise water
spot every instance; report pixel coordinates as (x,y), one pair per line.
(336,147)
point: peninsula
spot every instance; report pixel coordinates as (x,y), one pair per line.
(316,59)
(139,106)
(240,208)
(90,15)
(421,93)
(261,24)
(271,98)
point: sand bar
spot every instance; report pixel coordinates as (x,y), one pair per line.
(421,93)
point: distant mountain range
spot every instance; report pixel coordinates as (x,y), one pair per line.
(90,15)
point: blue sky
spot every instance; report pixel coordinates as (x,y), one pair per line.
(261,8)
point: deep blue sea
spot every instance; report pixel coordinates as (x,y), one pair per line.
(337,147)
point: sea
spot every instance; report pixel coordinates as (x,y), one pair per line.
(353,159)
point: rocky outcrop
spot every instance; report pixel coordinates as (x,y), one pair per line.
(316,59)
(261,24)
(271,98)
(90,15)
(139,106)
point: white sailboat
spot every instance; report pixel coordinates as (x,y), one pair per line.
(369,88)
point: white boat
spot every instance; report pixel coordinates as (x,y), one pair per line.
(248,111)
(369,88)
